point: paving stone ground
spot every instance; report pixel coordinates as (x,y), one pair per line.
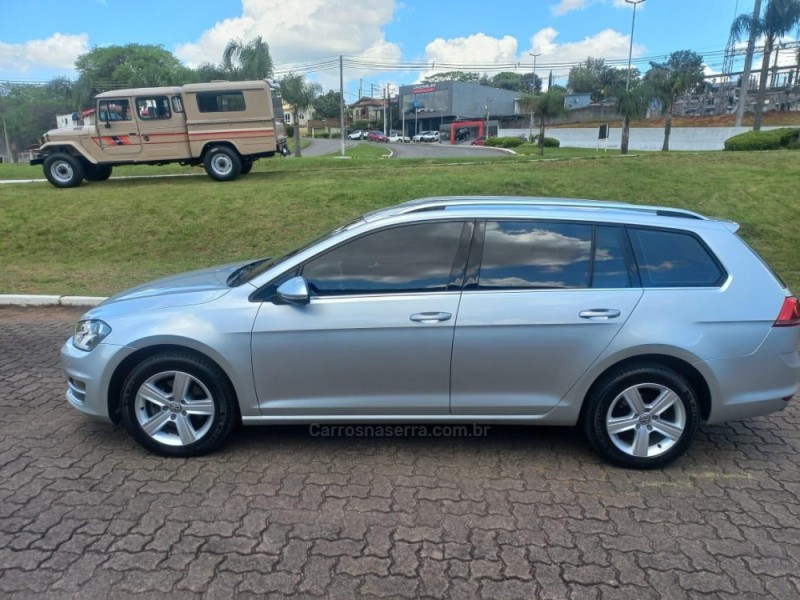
(521,513)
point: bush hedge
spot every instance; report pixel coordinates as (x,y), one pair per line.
(290,131)
(503,142)
(787,137)
(551,142)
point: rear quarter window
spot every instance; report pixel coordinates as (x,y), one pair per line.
(674,259)
(224,101)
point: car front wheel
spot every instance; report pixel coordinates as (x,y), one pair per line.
(63,170)
(642,416)
(177,404)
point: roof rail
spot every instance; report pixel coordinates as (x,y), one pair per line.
(443,203)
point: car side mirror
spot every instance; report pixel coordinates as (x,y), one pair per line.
(293,291)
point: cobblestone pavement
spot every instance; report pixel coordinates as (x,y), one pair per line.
(522,513)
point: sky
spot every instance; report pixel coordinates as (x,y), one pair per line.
(40,39)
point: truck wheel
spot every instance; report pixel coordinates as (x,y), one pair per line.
(222,163)
(63,170)
(247,166)
(97,172)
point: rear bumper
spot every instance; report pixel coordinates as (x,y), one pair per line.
(757,384)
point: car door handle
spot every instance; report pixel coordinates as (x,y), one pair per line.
(430,317)
(600,314)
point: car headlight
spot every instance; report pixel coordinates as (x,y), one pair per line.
(89,333)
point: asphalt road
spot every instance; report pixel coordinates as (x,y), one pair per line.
(322,146)
(279,512)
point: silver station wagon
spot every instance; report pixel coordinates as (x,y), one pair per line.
(636,323)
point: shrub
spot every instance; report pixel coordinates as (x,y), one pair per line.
(503,142)
(290,131)
(551,142)
(765,140)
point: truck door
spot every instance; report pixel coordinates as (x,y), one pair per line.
(162,127)
(117,130)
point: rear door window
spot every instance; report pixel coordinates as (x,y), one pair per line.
(674,259)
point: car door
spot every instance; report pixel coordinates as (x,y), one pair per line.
(541,303)
(117,129)
(376,335)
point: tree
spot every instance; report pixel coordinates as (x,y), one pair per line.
(508,80)
(300,94)
(327,105)
(779,18)
(682,73)
(30,110)
(548,106)
(596,78)
(631,104)
(132,65)
(251,60)
(531,83)
(452,76)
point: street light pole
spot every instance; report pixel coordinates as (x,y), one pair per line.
(533,92)
(630,49)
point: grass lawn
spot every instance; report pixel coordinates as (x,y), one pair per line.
(103,237)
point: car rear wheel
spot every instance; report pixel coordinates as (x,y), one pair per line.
(178,405)
(642,417)
(222,163)
(63,170)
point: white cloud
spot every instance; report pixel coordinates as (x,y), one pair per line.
(566,6)
(607,44)
(304,31)
(472,50)
(59,51)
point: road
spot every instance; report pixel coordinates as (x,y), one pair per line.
(280,512)
(322,146)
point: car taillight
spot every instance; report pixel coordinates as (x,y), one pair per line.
(790,313)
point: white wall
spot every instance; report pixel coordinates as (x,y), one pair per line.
(681,138)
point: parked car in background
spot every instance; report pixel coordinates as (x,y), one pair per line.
(377,136)
(397,137)
(430,136)
(417,137)
(635,323)
(479,141)
(358,134)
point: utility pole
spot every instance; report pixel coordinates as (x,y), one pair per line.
(630,48)
(341,101)
(385,107)
(9,154)
(533,93)
(748,63)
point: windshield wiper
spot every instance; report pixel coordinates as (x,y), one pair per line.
(240,274)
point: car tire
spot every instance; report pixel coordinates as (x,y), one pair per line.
(642,416)
(63,170)
(97,172)
(195,421)
(247,166)
(222,163)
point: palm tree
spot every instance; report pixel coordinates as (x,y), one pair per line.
(300,94)
(631,104)
(682,73)
(249,60)
(780,17)
(548,106)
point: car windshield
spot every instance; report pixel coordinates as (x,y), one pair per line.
(254,269)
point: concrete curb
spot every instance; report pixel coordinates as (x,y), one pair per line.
(48,300)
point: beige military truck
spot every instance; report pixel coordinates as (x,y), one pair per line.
(225,126)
